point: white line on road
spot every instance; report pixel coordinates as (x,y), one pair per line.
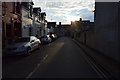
(45,57)
(38,65)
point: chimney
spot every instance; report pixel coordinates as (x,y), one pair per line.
(60,23)
(80,19)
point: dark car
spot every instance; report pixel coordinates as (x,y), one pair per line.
(53,36)
(46,39)
(23,45)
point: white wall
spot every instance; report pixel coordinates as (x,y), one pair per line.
(36,26)
(26,22)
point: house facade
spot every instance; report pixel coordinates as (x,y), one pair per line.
(11,21)
(19,20)
(44,28)
(36,22)
(27,18)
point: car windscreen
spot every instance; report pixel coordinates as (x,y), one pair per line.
(22,40)
(44,37)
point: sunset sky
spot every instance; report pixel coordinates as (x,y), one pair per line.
(66,11)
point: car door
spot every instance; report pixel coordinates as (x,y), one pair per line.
(32,41)
(36,42)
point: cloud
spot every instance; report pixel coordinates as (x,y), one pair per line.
(64,10)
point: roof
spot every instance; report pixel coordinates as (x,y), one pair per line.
(51,22)
(43,13)
(85,20)
(35,9)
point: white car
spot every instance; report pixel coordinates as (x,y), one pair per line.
(23,45)
(53,36)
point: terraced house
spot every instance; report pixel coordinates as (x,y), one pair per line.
(27,18)
(11,21)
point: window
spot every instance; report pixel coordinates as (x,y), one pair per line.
(30,10)
(3,8)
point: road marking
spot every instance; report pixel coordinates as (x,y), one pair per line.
(33,71)
(95,67)
(45,57)
(38,65)
(93,64)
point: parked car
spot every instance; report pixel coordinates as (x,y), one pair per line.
(23,45)
(53,36)
(46,39)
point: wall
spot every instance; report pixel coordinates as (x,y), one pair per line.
(46,29)
(119,28)
(42,25)
(90,38)
(10,29)
(36,26)
(106,29)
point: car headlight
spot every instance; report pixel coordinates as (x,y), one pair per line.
(21,48)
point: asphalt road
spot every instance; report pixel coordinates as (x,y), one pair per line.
(59,59)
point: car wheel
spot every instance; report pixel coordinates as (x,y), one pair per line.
(28,51)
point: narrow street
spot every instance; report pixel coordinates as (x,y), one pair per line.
(60,39)
(59,59)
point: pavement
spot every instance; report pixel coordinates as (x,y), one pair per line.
(109,66)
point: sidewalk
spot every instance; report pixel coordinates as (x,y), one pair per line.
(111,66)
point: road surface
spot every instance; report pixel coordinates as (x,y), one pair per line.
(59,59)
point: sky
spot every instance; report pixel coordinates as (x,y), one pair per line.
(66,11)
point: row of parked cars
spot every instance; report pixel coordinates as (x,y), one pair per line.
(48,38)
(25,45)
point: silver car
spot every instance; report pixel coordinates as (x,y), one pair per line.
(23,45)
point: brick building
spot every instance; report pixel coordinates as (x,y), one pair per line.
(11,21)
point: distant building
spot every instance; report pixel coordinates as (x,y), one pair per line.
(107,28)
(75,25)
(81,26)
(63,29)
(51,26)
(85,25)
(87,32)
